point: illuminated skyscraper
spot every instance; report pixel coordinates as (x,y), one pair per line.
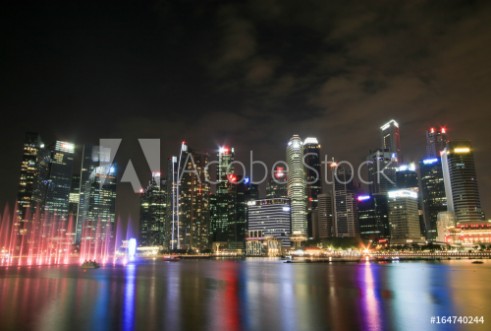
(436,141)
(28,175)
(344,204)
(459,174)
(277,184)
(433,194)
(97,206)
(373,219)
(311,149)
(153,205)
(222,208)
(55,179)
(391,140)
(404,217)
(297,185)
(323,227)
(193,201)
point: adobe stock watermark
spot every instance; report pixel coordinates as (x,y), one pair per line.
(184,164)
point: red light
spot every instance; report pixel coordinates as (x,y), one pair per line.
(279,172)
(183,142)
(432,130)
(232,178)
(444,130)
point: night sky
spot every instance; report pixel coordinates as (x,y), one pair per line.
(246,73)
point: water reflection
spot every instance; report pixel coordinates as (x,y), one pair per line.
(242,296)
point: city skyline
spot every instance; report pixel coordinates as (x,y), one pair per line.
(245,74)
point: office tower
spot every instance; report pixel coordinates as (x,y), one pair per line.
(28,176)
(436,141)
(153,205)
(312,163)
(404,217)
(381,169)
(97,204)
(222,206)
(323,228)
(74,197)
(242,191)
(296,185)
(433,194)
(269,226)
(193,201)
(277,185)
(391,140)
(172,211)
(407,177)
(54,181)
(373,218)
(459,174)
(344,204)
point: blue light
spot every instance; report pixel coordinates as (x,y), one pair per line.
(112,170)
(430,161)
(246,180)
(363,197)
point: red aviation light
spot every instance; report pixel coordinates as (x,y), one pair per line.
(232,178)
(444,130)
(432,130)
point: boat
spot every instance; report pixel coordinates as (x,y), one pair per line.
(90,264)
(477,262)
(171,258)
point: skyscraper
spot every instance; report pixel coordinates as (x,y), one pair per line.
(323,228)
(404,217)
(344,204)
(296,185)
(193,201)
(312,165)
(29,172)
(153,205)
(97,206)
(436,141)
(277,185)
(381,168)
(222,208)
(373,218)
(433,194)
(55,179)
(459,174)
(391,140)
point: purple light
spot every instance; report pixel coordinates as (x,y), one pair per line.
(363,197)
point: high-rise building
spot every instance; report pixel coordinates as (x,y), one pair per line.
(297,185)
(436,141)
(222,205)
(391,140)
(381,168)
(153,205)
(312,163)
(193,201)
(433,194)
(29,173)
(407,177)
(404,217)
(344,204)
(97,204)
(242,191)
(461,187)
(54,182)
(373,218)
(269,221)
(277,185)
(323,228)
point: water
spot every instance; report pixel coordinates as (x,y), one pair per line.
(245,295)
